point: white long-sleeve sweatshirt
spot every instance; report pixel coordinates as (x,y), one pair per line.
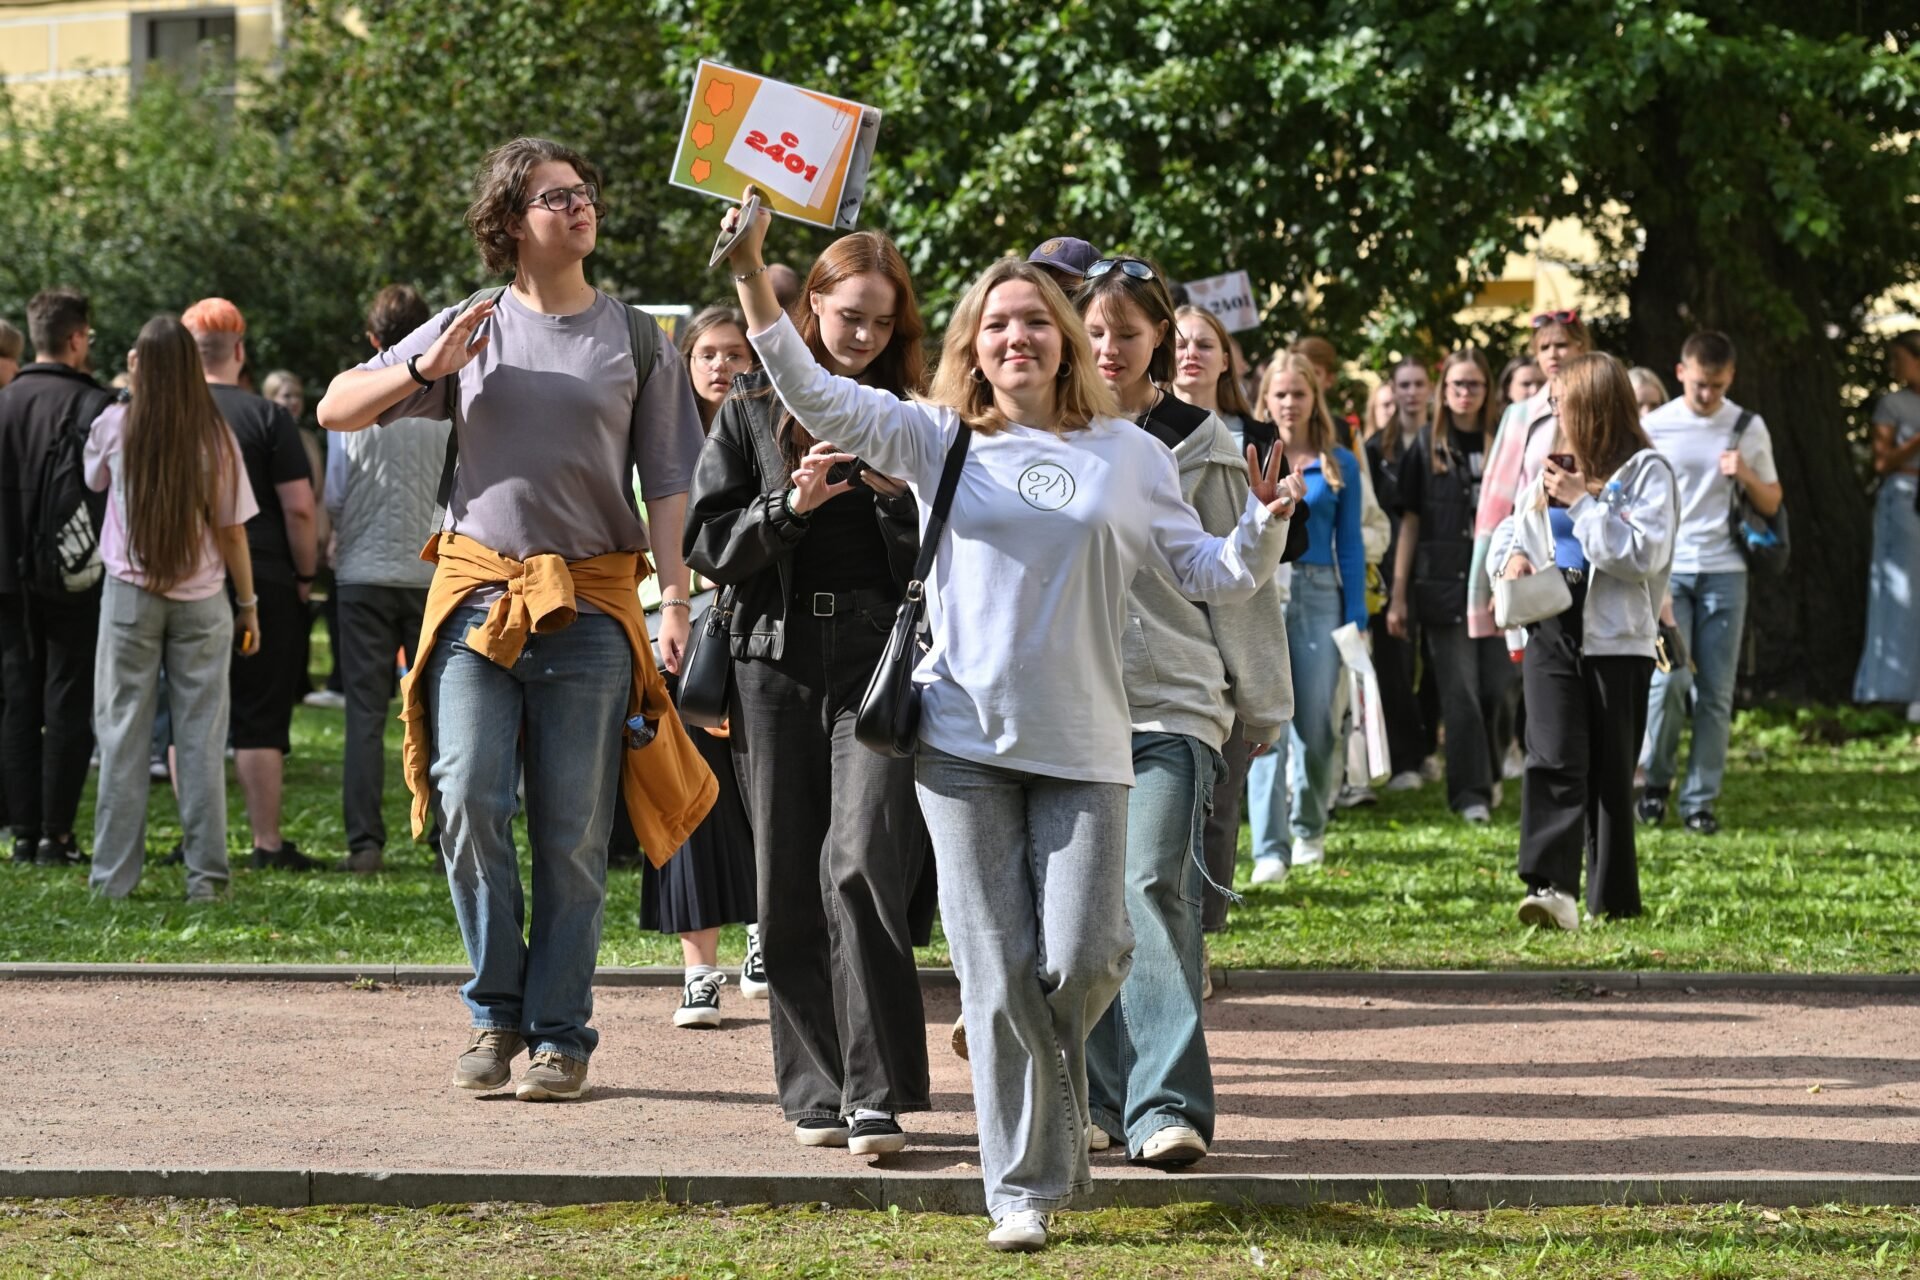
(1028,594)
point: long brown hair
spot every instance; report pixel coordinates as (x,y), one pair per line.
(1320,437)
(179,455)
(901,366)
(1599,417)
(1228,393)
(1444,425)
(1399,433)
(712,318)
(1080,395)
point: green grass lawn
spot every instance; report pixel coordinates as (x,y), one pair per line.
(1818,869)
(159,1239)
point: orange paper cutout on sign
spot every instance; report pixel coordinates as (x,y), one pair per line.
(720,97)
(700,170)
(702,135)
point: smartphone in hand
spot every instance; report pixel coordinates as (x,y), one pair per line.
(1566,462)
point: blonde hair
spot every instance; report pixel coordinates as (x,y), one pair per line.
(1320,437)
(1079,397)
(1228,392)
(1644,378)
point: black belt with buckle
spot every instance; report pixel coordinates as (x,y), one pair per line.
(827,604)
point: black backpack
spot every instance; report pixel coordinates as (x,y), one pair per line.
(62,552)
(643,335)
(1762,540)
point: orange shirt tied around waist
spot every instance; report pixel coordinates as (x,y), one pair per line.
(667,786)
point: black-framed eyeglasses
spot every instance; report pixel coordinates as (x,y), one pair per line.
(1129,266)
(563,199)
(1546,318)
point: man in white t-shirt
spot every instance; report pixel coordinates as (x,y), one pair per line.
(1707,596)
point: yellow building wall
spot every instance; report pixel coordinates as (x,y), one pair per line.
(46,43)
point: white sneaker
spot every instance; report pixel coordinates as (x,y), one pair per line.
(1269,871)
(1550,907)
(1352,797)
(1514,767)
(1407,781)
(1175,1145)
(1433,768)
(1309,851)
(700,1001)
(1098,1139)
(326,699)
(1024,1231)
(1477,814)
(753,970)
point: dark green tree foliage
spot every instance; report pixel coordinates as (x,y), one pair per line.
(1747,166)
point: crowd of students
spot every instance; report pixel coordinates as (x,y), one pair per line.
(1138,553)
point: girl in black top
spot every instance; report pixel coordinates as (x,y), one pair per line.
(817,549)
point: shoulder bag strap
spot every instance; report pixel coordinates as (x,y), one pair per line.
(942,504)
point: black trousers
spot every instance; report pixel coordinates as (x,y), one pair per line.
(1221,840)
(1409,740)
(1586,717)
(839,846)
(375,623)
(1473,677)
(46,736)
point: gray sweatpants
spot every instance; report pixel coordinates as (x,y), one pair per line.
(194,638)
(1032,895)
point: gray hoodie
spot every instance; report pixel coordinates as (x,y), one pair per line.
(1627,535)
(1191,668)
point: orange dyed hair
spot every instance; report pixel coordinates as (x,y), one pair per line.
(214,315)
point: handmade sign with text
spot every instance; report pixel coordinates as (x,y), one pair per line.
(1229,297)
(807,153)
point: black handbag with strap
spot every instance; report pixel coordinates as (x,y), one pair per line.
(706,673)
(889,717)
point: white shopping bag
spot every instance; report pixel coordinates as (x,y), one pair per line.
(1367,746)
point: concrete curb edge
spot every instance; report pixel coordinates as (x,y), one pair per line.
(1385,981)
(292,1188)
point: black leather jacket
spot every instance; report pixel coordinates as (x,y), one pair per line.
(739,532)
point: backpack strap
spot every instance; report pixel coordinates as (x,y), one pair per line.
(445,495)
(1740,425)
(644,341)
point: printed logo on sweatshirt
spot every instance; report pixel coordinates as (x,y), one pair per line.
(1046,486)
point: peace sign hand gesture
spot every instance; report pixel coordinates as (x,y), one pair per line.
(456,347)
(1278,496)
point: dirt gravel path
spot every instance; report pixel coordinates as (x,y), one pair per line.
(136,1074)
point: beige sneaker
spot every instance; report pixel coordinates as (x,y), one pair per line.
(552,1077)
(1174,1146)
(488,1062)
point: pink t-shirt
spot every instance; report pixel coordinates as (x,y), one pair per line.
(104,472)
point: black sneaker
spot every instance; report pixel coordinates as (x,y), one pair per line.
(875,1137)
(700,1001)
(64,852)
(1703,823)
(1652,808)
(177,858)
(286,858)
(23,847)
(753,970)
(818,1131)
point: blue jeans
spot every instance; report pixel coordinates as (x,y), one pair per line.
(1711,610)
(562,705)
(1032,878)
(1890,661)
(1147,1064)
(1313,614)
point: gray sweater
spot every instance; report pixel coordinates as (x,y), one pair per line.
(1193,668)
(1627,535)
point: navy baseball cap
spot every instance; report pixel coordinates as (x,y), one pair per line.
(1064,253)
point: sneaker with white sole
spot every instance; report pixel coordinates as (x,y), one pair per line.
(820,1132)
(1550,908)
(1355,797)
(700,1001)
(1269,871)
(753,970)
(1406,781)
(876,1136)
(1098,1139)
(1175,1146)
(1514,767)
(487,1063)
(1023,1231)
(1309,851)
(1477,815)
(552,1077)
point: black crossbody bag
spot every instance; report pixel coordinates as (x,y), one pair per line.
(889,717)
(706,672)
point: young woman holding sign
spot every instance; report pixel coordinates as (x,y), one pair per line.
(1025,750)
(817,549)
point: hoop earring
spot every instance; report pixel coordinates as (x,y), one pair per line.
(1066,371)
(976,375)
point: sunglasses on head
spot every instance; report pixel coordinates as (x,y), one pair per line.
(1129,266)
(1546,318)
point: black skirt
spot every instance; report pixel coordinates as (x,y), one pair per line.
(710,881)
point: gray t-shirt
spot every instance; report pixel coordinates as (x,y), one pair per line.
(1901,411)
(550,427)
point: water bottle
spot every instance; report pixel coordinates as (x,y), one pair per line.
(640,731)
